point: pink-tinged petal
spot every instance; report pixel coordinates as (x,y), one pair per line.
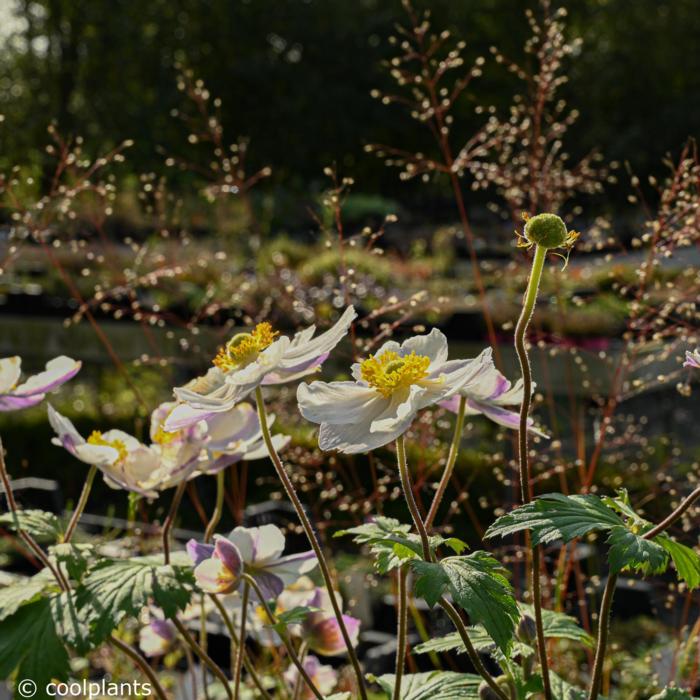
(9,402)
(270,585)
(198,552)
(156,637)
(184,416)
(504,417)
(67,435)
(228,553)
(291,567)
(451,404)
(301,370)
(57,372)
(326,638)
(212,576)
(692,359)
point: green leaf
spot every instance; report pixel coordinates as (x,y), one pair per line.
(631,552)
(685,559)
(673,694)
(479,638)
(75,558)
(555,516)
(563,690)
(30,645)
(431,581)
(38,523)
(479,585)
(444,685)
(294,616)
(117,588)
(72,624)
(558,625)
(392,543)
(23,592)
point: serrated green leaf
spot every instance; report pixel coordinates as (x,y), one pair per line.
(30,645)
(456,545)
(563,690)
(631,552)
(114,589)
(444,685)
(23,592)
(38,523)
(558,625)
(479,585)
(70,622)
(555,516)
(685,560)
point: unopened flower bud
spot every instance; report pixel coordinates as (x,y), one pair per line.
(527,629)
(546,230)
(487,693)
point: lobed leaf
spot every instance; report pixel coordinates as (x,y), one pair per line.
(631,552)
(25,591)
(445,685)
(38,523)
(555,516)
(685,559)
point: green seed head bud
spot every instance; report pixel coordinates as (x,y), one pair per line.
(546,230)
(486,693)
(527,630)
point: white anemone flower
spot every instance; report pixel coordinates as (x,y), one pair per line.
(491,394)
(389,389)
(259,357)
(125,462)
(14,396)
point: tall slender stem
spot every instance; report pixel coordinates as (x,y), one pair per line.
(298,685)
(25,536)
(82,502)
(410,499)
(603,629)
(218,507)
(523,458)
(206,659)
(241,637)
(313,540)
(283,636)
(141,663)
(247,663)
(170,520)
(449,465)
(608,592)
(402,626)
(451,611)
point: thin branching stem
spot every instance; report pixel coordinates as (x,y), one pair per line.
(82,502)
(313,540)
(241,647)
(283,636)
(609,591)
(402,629)
(218,507)
(449,465)
(134,655)
(206,659)
(523,458)
(170,520)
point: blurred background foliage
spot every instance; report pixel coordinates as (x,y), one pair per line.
(293,73)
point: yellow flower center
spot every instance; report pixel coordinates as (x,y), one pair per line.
(262,615)
(165,437)
(244,348)
(390,371)
(96,438)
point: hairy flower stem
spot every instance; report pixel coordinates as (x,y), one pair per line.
(606,602)
(218,507)
(241,636)
(313,540)
(247,663)
(82,502)
(401,634)
(451,611)
(206,659)
(449,465)
(141,663)
(25,536)
(170,520)
(283,636)
(299,683)
(523,461)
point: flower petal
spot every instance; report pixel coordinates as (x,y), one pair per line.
(228,553)
(213,577)
(10,369)
(198,552)
(432,345)
(57,372)
(336,402)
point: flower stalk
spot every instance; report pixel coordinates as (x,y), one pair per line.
(523,461)
(82,502)
(402,625)
(241,646)
(170,520)
(218,507)
(311,536)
